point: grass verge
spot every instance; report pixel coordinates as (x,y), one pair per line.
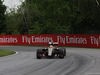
(6,52)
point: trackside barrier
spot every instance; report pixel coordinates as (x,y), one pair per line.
(72,40)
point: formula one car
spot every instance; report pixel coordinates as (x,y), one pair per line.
(51,51)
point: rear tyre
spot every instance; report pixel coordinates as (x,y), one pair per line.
(38,54)
(61,54)
(64,52)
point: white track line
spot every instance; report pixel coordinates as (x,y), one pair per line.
(16,52)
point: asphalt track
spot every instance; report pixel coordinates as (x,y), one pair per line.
(79,61)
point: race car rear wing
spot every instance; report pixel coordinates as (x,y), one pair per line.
(55,43)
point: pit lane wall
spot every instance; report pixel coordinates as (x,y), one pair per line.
(72,40)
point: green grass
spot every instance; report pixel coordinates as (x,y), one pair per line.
(6,52)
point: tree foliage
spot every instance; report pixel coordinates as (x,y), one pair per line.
(2,18)
(55,17)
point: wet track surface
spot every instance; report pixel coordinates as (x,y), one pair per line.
(79,61)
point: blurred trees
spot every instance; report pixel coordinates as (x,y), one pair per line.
(2,18)
(55,17)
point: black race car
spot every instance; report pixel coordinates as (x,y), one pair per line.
(51,51)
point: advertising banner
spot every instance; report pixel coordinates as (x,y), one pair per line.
(72,40)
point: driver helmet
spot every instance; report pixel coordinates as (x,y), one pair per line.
(51,43)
